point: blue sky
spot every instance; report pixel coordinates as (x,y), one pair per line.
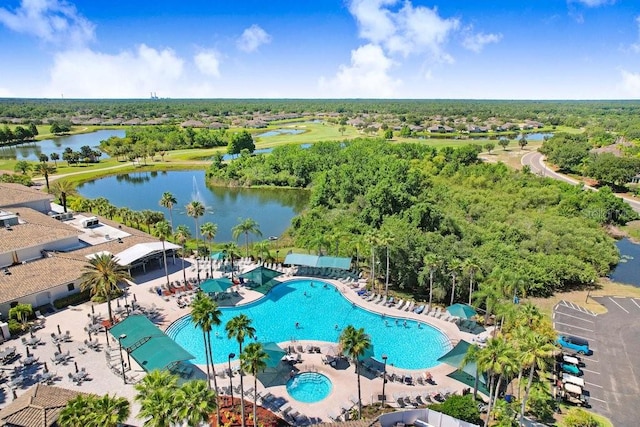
(505,49)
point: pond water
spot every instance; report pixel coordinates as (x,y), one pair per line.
(273,209)
(276,132)
(32,150)
(627,269)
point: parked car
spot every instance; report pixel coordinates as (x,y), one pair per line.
(570,368)
(579,345)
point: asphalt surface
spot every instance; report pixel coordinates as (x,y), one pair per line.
(612,372)
(536,163)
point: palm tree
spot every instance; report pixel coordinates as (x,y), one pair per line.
(208,230)
(102,275)
(432,263)
(195,402)
(246,226)
(232,251)
(355,342)
(62,188)
(472,268)
(155,395)
(240,328)
(262,248)
(471,356)
(163,232)
(536,353)
(254,359)
(454,266)
(195,210)
(182,235)
(109,411)
(491,359)
(168,201)
(205,314)
(45,169)
(75,413)
(490,296)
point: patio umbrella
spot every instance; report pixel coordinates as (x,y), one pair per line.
(217,256)
(274,352)
(46,368)
(462,311)
(261,275)
(216,285)
(75,364)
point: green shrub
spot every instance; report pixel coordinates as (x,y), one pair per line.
(73,299)
(15,327)
(577,417)
(461,407)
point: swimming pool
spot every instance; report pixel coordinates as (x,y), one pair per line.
(309,387)
(321,312)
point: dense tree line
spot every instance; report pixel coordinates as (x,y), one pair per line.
(18,134)
(441,209)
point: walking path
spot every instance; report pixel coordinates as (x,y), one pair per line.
(103,380)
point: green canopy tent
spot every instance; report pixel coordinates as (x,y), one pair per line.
(261,275)
(217,256)
(274,352)
(467,373)
(211,286)
(462,311)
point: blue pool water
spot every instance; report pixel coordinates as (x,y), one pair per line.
(322,313)
(309,387)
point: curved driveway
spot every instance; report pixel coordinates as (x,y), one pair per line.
(535,161)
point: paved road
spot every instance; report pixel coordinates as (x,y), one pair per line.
(535,161)
(612,373)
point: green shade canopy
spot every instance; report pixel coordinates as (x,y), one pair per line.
(341,263)
(217,256)
(216,285)
(274,352)
(456,355)
(261,275)
(462,311)
(147,344)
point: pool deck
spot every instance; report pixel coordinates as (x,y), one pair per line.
(103,380)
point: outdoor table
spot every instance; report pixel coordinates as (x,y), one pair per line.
(33,342)
(29,360)
(47,377)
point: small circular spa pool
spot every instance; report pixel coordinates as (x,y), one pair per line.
(309,387)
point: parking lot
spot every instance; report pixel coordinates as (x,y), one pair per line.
(611,373)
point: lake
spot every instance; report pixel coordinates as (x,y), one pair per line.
(273,209)
(627,269)
(32,150)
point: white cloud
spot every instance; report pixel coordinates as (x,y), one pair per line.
(208,63)
(84,73)
(476,42)
(54,21)
(366,77)
(252,38)
(593,3)
(410,30)
(630,83)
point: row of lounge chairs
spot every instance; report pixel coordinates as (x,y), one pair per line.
(417,399)
(408,306)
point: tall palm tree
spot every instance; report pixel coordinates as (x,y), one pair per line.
(205,314)
(110,411)
(491,359)
(163,232)
(62,188)
(471,356)
(102,275)
(472,268)
(432,263)
(208,230)
(182,235)
(262,248)
(240,328)
(168,201)
(155,395)
(254,359)
(194,402)
(454,267)
(232,251)
(537,352)
(195,210)
(45,169)
(489,295)
(246,226)
(355,342)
